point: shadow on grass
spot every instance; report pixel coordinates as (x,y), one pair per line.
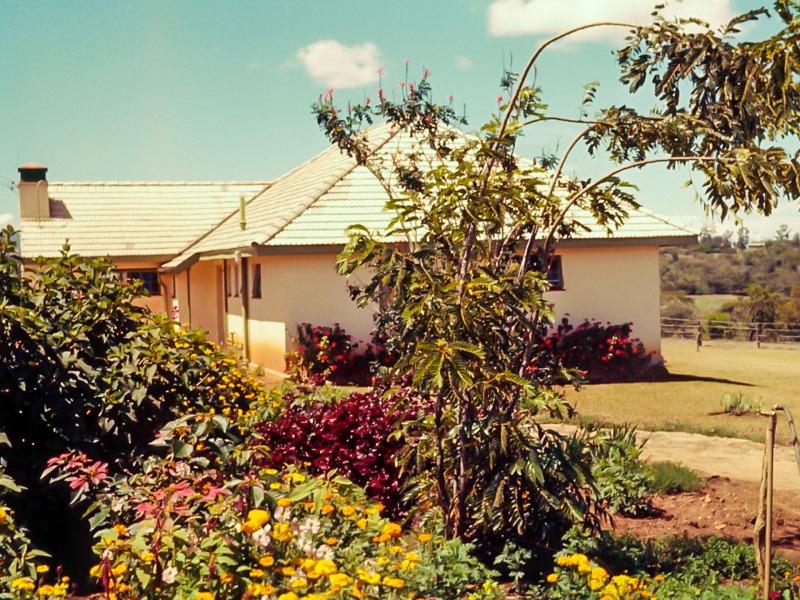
(676,378)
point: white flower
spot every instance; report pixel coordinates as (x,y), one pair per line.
(169,575)
(261,537)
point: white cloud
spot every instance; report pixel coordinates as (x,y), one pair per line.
(463,63)
(550,17)
(335,65)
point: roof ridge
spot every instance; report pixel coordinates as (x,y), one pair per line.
(220,222)
(332,181)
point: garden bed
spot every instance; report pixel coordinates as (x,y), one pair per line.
(724,507)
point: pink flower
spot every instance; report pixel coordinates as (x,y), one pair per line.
(499,99)
(426,73)
(408,61)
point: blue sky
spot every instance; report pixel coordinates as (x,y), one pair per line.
(195,90)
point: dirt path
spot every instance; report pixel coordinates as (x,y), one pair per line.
(724,457)
(728,503)
(737,459)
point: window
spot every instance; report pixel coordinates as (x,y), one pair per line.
(555,277)
(256,290)
(148,277)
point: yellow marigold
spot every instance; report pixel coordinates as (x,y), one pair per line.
(271,471)
(204,596)
(395,549)
(284,502)
(378,507)
(392,529)
(282,532)
(259,589)
(380,539)
(275,486)
(660,577)
(327,509)
(408,565)
(24,584)
(96,571)
(42,569)
(227,578)
(424,537)
(308,505)
(3,515)
(357,593)
(46,590)
(394,582)
(367,577)
(288,596)
(412,556)
(120,529)
(361,523)
(326,567)
(331,541)
(147,557)
(298,583)
(287,571)
(120,569)
(339,580)
(256,573)
(328,496)
(267,561)
(383,561)
(258,516)
(584,568)
(348,511)
(552,578)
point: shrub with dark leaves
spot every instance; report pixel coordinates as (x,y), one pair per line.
(353,435)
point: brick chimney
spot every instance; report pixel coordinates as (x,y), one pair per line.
(34,202)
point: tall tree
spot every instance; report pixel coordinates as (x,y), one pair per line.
(463,296)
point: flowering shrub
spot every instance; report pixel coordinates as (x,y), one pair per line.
(322,352)
(602,352)
(353,435)
(86,374)
(182,534)
(330,354)
(577,577)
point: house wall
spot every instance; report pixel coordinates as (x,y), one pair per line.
(299,289)
(617,284)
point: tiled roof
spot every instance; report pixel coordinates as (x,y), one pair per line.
(311,205)
(131,219)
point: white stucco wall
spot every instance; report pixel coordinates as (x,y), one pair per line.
(616,284)
(299,289)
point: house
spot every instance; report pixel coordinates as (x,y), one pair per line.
(248,261)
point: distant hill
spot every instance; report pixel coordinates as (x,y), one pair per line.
(722,269)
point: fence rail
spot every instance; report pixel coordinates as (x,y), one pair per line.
(731,330)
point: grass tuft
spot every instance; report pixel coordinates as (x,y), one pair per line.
(667,477)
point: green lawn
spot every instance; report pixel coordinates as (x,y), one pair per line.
(692,399)
(711,303)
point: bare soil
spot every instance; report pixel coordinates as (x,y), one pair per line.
(726,508)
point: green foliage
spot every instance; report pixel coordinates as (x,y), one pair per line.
(622,479)
(667,477)
(738,404)
(87,379)
(696,561)
(461,309)
(17,556)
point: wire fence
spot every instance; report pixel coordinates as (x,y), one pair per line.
(780,333)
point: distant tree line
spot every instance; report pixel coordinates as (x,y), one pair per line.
(766,277)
